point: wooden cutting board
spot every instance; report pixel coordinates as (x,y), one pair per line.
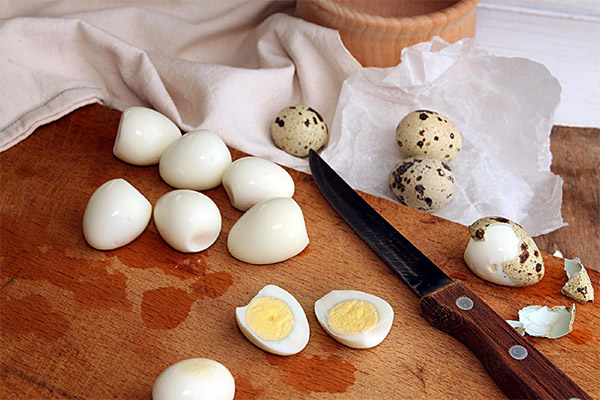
(81,323)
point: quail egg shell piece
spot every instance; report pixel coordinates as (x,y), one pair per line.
(143,136)
(271,231)
(501,252)
(250,180)
(354,318)
(187,220)
(424,183)
(115,215)
(195,161)
(427,133)
(194,379)
(552,323)
(274,321)
(518,325)
(298,129)
(579,285)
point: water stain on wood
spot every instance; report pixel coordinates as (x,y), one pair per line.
(244,390)
(306,374)
(165,308)
(33,314)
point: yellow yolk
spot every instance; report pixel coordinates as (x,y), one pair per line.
(270,318)
(351,317)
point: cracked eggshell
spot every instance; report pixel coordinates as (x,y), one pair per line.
(195,161)
(579,286)
(143,136)
(297,129)
(115,215)
(271,231)
(250,180)
(552,323)
(424,183)
(427,133)
(501,252)
(194,379)
(187,220)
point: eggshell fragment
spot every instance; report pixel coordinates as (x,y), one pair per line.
(427,133)
(298,129)
(250,180)
(424,183)
(579,286)
(269,232)
(518,325)
(143,136)
(194,379)
(195,161)
(115,215)
(551,323)
(187,220)
(500,251)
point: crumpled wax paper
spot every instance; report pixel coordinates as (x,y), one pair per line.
(503,108)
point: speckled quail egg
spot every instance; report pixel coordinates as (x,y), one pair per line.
(297,129)
(428,133)
(143,136)
(194,379)
(354,318)
(271,231)
(187,220)
(579,285)
(502,252)
(195,161)
(424,183)
(115,215)
(250,180)
(274,321)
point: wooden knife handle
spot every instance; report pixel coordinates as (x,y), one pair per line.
(518,368)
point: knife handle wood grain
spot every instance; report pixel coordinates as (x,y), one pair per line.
(518,368)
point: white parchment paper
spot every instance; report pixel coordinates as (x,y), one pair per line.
(503,108)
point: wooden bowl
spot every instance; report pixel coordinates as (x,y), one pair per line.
(376,31)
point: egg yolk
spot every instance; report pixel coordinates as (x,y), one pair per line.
(351,317)
(270,318)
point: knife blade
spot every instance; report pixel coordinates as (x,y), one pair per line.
(516,366)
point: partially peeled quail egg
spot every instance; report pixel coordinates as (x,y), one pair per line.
(354,318)
(502,252)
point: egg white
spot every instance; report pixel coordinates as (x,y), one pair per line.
(372,336)
(298,337)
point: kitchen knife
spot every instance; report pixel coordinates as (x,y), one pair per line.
(518,368)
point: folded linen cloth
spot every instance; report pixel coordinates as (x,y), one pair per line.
(225,66)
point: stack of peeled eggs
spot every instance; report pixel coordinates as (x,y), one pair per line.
(424,180)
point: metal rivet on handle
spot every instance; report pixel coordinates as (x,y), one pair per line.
(464,303)
(518,352)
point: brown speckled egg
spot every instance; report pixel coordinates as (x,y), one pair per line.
(429,134)
(297,129)
(501,251)
(424,183)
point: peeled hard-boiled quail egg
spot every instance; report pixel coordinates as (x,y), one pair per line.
(356,319)
(424,183)
(195,161)
(250,180)
(500,251)
(194,379)
(115,215)
(187,220)
(274,321)
(298,129)
(271,231)
(427,133)
(143,136)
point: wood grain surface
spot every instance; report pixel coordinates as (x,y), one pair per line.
(77,323)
